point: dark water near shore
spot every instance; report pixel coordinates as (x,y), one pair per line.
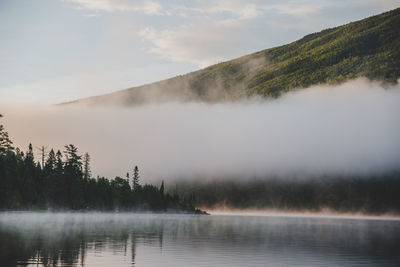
(112,239)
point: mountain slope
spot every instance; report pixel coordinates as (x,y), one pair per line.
(369,47)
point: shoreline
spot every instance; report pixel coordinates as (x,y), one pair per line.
(244,213)
(305,214)
(171,212)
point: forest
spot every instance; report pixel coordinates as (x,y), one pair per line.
(62,180)
(367,194)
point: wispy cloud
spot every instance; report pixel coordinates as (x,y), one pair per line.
(147,6)
(255,8)
(215,26)
(238,9)
(91,15)
(294,9)
(196,44)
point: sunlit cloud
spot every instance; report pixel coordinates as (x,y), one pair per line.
(194,44)
(253,9)
(147,6)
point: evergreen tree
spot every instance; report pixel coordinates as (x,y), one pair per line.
(73,161)
(5,141)
(136,177)
(29,156)
(29,181)
(86,166)
(74,188)
(51,162)
(59,164)
(162,188)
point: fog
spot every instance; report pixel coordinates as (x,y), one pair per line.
(353,128)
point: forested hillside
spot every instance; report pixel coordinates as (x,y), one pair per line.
(369,48)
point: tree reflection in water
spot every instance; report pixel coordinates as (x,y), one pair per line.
(64,239)
(66,243)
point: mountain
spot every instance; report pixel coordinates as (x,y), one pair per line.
(369,48)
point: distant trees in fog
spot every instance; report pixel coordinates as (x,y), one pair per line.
(373,193)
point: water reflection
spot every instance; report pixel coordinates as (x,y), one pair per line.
(100,239)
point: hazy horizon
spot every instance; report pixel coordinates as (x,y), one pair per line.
(351,128)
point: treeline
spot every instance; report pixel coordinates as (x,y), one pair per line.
(374,194)
(62,180)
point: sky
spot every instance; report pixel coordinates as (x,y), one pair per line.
(54,51)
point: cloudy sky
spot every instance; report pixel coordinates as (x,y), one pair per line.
(58,50)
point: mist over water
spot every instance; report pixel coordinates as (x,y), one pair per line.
(352,128)
(128,239)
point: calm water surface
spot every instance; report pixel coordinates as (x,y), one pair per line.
(112,239)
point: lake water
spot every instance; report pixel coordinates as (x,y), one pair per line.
(121,239)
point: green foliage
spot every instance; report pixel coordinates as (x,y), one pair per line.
(366,48)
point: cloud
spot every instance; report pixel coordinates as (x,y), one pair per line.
(239,9)
(221,30)
(91,15)
(196,44)
(212,39)
(351,128)
(147,6)
(252,9)
(296,10)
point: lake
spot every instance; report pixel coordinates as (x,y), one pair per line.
(126,239)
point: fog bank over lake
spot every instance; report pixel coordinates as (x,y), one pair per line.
(350,128)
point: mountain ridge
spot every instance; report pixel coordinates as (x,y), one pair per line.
(365,48)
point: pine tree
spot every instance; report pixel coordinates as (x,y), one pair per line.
(74,191)
(162,188)
(136,177)
(5,141)
(86,166)
(59,164)
(73,162)
(51,162)
(29,156)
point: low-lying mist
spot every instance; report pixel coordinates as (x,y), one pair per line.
(346,129)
